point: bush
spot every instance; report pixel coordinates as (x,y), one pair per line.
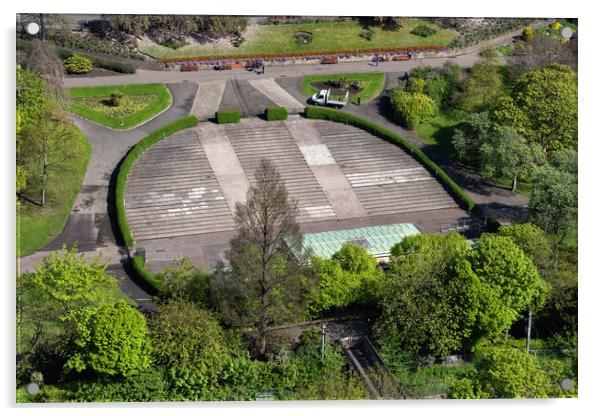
(313,112)
(528,33)
(77,64)
(276,113)
(145,278)
(129,160)
(411,109)
(423,30)
(223,117)
(99,62)
(115,99)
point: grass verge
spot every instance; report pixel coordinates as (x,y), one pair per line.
(37,226)
(141,102)
(373,83)
(438,131)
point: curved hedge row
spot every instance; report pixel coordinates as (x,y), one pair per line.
(147,279)
(129,160)
(334,115)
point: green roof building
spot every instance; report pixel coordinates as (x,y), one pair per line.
(378,240)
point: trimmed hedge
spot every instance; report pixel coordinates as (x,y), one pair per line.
(129,160)
(147,279)
(223,117)
(276,113)
(322,113)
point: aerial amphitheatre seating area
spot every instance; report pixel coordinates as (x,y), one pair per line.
(190,182)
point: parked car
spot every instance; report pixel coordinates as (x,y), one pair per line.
(324,98)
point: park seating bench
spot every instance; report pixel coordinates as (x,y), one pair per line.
(328,60)
(402,57)
(189,68)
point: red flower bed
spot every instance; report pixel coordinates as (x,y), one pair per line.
(317,54)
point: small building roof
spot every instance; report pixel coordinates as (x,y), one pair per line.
(378,240)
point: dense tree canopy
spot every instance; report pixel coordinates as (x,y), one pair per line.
(482,87)
(548,98)
(111,340)
(410,109)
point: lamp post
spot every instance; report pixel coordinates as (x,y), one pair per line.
(323,332)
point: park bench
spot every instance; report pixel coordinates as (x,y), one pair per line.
(402,57)
(222,67)
(330,60)
(189,68)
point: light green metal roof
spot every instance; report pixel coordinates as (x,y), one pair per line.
(378,240)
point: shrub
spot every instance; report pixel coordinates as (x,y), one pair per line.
(410,109)
(528,33)
(145,278)
(129,160)
(276,113)
(423,31)
(313,112)
(115,99)
(78,64)
(231,116)
(99,62)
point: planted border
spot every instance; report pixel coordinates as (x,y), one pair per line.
(330,114)
(374,82)
(276,113)
(162,102)
(127,163)
(147,279)
(223,117)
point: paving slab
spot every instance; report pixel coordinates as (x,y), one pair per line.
(277,94)
(225,164)
(208,99)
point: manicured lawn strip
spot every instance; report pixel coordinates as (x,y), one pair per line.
(162,101)
(129,160)
(322,113)
(274,39)
(37,226)
(374,83)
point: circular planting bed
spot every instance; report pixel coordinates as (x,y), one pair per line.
(302,37)
(335,90)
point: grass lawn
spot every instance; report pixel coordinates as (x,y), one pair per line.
(373,83)
(268,39)
(438,132)
(139,104)
(37,226)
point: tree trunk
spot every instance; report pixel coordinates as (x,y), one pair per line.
(45,171)
(514,181)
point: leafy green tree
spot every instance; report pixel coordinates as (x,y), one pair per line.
(548,97)
(508,155)
(410,109)
(147,386)
(111,340)
(506,113)
(564,160)
(510,282)
(350,277)
(390,22)
(506,372)
(553,203)
(430,302)
(481,89)
(31,96)
(470,136)
(532,240)
(183,280)
(265,286)
(183,335)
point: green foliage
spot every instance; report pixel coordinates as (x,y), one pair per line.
(548,98)
(185,335)
(313,112)
(411,109)
(510,282)
(532,240)
(31,96)
(128,162)
(432,286)
(481,89)
(100,62)
(223,117)
(276,113)
(111,340)
(554,202)
(147,386)
(507,114)
(423,30)
(115,98)
(140,103)
(146,278)
(506,372)
(77,64)
(183,280)
(528,34)
(350,277)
